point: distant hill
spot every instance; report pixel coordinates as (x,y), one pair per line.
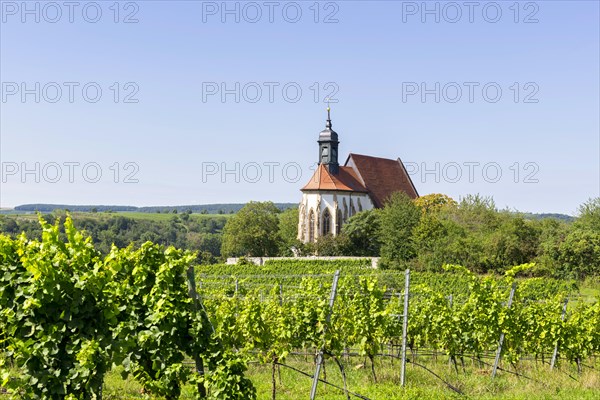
(562,217)
(198,208)
(225,208)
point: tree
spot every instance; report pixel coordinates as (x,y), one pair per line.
(329,245)
(398,219)
(477,213)
(434,202)
(515,242)
(579,254)
(288,230)
(362,230)
(589,215)
(253,231)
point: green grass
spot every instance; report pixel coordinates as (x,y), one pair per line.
(475,382)
(590,288)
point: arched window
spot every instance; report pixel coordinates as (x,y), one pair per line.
(326,222)
(345,210)
(338,222)
(352,209)
(311,226)
(359,205)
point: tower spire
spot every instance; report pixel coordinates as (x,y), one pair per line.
(328,145)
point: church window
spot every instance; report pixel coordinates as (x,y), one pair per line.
(311,226)
(326,222)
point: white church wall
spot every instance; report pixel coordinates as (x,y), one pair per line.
(349,203)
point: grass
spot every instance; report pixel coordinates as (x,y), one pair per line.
(590,287)
(475,382)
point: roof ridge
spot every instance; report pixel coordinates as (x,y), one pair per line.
(366,156)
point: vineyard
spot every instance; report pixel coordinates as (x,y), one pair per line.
(69,316)
(459,315)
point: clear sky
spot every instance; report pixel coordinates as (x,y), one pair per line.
(191,102)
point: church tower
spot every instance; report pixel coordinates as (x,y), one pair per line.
(328,147)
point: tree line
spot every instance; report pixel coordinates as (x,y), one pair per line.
(431,231)
(421,234)
(198,233)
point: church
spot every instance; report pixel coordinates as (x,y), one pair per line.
(335,193)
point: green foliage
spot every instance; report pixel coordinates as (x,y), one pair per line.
(288,266)
(67,314)
(589,215)
(362,230)
(253,231)
(434,202)
(515,241)
(471,233)
(157,325)
(579,254)
(54,314)
(329,245)
(195,233)
(398,219)
(227,380)
(459,313)
(288,231)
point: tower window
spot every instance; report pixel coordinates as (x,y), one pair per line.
(325,154)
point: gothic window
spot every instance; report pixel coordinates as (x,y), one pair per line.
(345,210)
(326,222)
(338,222)
(359,205)
(352,209)
(311,226)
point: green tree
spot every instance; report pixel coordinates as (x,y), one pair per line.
(253,231)
(434,202)
(515,242)
(330,245)
(589,215)
(362,230)
(579,254)
(288,231)
(477,213)
(398,219)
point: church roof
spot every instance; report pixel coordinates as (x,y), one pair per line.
(346,180)
(381,177)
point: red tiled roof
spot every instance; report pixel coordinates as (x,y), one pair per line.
(382,177)
(346,180)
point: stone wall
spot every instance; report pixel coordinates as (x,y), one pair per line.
(262,260)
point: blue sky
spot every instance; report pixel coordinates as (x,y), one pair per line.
(213,102)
